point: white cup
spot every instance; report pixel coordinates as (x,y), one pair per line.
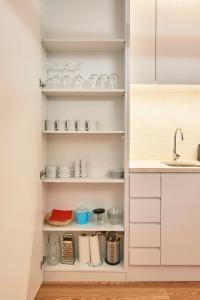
(93,125)
(84,168)
(61,125)
(67,125)
(57,124)
(79,125)
(51,172)
(49,125)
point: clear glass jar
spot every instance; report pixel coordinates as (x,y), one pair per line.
(99,216)
(114,215)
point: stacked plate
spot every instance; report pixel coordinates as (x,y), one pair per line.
(118,173)
(65,172)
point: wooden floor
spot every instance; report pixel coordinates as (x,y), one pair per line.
(130,291)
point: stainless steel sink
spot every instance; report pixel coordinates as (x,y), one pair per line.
(182,164)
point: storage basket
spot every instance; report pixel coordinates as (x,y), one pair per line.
(112,252)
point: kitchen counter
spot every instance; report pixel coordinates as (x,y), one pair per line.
(154,166)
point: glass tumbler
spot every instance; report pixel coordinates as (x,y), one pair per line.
(93,81)
(53,249)
(113,81)
(103,81)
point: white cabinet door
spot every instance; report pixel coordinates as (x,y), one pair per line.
(20,123)
(145,235)
(145,185)
(144,210)
(144,257)
(180,219)
(143,41)
(178,42)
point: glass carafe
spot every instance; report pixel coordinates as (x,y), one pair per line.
(53,249)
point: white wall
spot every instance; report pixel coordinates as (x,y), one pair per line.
(155,114)
(20,114)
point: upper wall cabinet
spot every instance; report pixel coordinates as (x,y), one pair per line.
(178,42)
(143,41)
(165,41)
(75,20)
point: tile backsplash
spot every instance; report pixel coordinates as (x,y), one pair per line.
(156,113)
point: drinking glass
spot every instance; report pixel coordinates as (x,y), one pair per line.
(103,80)
(50,69)
(66,81)
(113,81)
(114,215)
(93,81)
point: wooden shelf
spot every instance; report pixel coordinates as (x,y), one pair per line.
(87,227)
(78,267)
(83,180)
(83,132)
(83,44)
(83,93)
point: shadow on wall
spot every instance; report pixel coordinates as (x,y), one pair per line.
(29,13)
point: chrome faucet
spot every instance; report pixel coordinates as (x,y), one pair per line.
(176,156)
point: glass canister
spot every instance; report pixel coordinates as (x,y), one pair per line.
(53,249)
(114,215)
(99,216)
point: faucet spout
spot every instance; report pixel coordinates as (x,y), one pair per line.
(176,156)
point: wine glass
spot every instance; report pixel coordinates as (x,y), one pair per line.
(78,82)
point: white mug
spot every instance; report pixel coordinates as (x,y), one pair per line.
(49,125)
(57,125)
(51,172)
(78,125)
(67,125)
(63,125)
(60,125)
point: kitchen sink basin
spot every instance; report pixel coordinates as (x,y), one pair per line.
(182,164)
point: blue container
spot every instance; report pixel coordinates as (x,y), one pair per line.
(82,215)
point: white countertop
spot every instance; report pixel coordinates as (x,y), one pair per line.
(156,166)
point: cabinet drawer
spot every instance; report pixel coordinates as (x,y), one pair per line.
(145,185)
(145,210)
(145,235)
(144,257)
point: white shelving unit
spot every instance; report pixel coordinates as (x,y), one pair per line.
(87,227)
(78,267)
(83,132)
(83,180)
(99,38)
(82,93)
(83,44)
